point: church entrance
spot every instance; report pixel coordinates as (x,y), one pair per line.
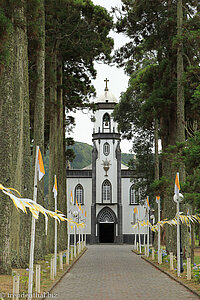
(106,221)
(106,232)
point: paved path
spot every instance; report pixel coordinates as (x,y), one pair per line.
(113,272)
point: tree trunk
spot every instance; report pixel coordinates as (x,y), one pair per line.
(6,126)
(15,148)
(61,169)
(52,146)
(21,143)
(39,104)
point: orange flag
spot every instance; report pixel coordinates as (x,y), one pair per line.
(55,188)
(177,185)
(40,165)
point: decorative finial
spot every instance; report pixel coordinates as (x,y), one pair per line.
(106,81)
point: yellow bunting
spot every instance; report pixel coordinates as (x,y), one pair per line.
(35,208)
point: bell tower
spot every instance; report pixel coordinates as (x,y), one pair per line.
(106,169)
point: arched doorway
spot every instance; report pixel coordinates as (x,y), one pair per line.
(106,225)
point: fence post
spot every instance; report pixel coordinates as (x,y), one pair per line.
(72,254)
(61,260)
(16,287)
(67,257)
(37,281)
(52,269)
(160,257)
(153,253)
(171,261)
(188,268)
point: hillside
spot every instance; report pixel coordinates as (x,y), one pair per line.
(83,154)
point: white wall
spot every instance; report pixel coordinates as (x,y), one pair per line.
(100,172)
(99,120)
(127,209)
(87,186)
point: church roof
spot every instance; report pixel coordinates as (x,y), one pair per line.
(107,96)
(124,167)
(88,167)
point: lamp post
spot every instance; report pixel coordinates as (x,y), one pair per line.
(178,198)
(152,217)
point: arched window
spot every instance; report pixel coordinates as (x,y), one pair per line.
(133,199)
(106,123)
(79,194)
(106,149)
(106,192)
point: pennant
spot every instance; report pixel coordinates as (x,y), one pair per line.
(147,203)
(177,185)
(157,199)
(85,214)
(79,207)
(72,201)
(40,165)
(76,203)
(55,188)
(135,210)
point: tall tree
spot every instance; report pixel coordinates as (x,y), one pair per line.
(18,162)
(76,35)
(36,51)
(150,59)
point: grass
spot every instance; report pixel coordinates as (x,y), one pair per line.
(6,281)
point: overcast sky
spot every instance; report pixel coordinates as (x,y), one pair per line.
(118,82)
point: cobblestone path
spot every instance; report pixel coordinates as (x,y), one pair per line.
(113,272)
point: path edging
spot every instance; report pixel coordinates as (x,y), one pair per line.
(65,272)
(172,277)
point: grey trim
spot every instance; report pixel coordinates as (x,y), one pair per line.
(104,128)
(106,180)
(107,105)
(106,136)
(109,211)
(79,173)
(106,144)
(126,238)
(130,238)
(75,192)
(119,238)
(93,206)
(131,174)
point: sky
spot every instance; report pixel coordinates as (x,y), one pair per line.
(118,82)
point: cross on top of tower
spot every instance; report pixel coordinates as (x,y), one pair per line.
(106,81)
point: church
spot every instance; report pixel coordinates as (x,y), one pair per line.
(105,189)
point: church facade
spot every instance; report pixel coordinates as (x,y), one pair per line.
(105,189)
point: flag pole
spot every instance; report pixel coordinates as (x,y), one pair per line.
(56,237)
(31,259)
(158,231)
(139,237)
(148,228)
(178,241)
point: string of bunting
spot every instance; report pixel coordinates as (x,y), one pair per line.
(185,219)
(35,208)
